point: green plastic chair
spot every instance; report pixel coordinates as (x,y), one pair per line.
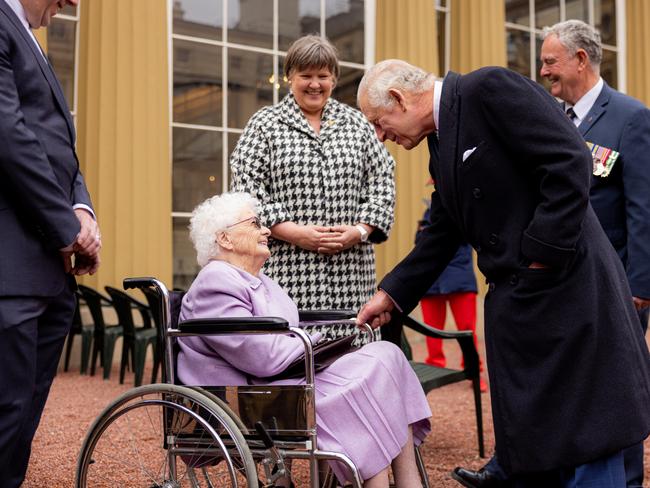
(104,337)
(135,339)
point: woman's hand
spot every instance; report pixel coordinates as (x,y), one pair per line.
(345,236)
(307,237)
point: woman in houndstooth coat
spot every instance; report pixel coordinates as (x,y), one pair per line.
(324,181)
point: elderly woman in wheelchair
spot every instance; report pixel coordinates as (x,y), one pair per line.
(369,403)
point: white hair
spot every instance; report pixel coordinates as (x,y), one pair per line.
(215,215)
(392,73)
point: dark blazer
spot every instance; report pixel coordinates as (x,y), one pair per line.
(39,172)
(569,368)
(458,276)
(622,199)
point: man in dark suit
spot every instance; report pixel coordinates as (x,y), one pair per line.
(47,221)
(617,129)
(568,365)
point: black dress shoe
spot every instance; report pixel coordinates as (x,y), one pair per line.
(477,479)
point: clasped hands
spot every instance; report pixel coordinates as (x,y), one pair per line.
(322,239)
(85,248)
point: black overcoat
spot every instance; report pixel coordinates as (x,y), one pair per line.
(568,366)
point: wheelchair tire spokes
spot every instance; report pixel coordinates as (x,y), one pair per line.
(165,436)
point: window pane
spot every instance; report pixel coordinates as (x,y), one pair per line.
(197,83)
(198,18)
(538,63)
(547,12)
(441,3)
(296,19)
(609,68)
(196,172)
(344,27)
(250,22)
(577,9)
(518,12)
(346,88)
(60,52)
(442,38)
(70,10)
(232,142)
(283,88)
(250,85)
(185,266)
(605,20)
(518,46)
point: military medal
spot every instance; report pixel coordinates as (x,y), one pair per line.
(603,159)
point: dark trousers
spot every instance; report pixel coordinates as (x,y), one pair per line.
(608,472)
(32,333)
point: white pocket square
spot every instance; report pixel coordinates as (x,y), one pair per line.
(468,153)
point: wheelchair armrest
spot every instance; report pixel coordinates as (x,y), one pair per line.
(465,340)
(329,315)
(219,326)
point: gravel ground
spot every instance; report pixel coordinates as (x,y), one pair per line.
(76,400)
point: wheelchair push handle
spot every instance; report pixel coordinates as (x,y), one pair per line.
(142,282)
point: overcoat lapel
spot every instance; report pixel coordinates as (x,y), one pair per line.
(45,68)
(448,132)
(597,111)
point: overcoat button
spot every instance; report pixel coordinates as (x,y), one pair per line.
(477,193)
(493,239)
(514,279)
(491,287)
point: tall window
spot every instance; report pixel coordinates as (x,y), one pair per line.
(63,52)
(525,20)
(443,21)
(227,60)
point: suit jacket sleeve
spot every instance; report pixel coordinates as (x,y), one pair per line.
(544,143)
(25,168)
(435,247)
(635,148)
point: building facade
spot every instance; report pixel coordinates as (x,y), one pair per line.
(162,89)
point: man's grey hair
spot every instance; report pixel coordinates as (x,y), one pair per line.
(213,216)
(574,35)
(392,73)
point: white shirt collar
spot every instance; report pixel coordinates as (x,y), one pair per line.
(18,9)
(437,91)
(583,106)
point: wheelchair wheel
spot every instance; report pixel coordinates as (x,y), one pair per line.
(165,436)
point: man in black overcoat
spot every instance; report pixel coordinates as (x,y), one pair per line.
(568,366)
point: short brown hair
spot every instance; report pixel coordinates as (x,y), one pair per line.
(312,51)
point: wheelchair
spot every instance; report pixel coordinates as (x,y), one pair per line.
(169,435)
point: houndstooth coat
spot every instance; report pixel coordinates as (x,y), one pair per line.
(343,175)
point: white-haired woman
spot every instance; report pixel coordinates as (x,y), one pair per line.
(369,403)
(324,182)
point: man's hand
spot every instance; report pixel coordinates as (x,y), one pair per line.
(641,303)
(377,311)
(89,240)
(84,264)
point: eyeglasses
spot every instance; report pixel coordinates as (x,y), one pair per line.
(255,221)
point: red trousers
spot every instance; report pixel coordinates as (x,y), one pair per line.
(434,311)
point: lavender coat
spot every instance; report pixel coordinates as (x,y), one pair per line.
(365,401)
